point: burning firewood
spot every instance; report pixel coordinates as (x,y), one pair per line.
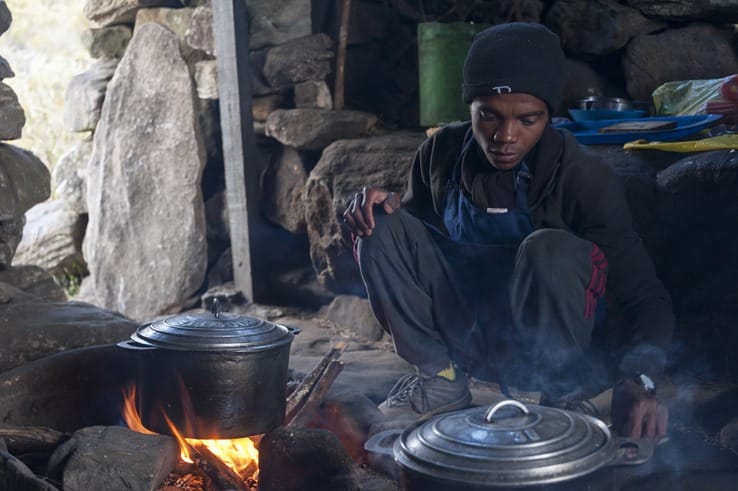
(304,391)
(317,395)
(217,470)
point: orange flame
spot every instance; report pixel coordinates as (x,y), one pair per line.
(240,454)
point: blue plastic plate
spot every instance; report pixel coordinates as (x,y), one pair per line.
(587,132)
(598,114)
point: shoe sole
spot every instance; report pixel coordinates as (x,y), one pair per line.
(451,406)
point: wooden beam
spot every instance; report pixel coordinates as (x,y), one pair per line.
(338,99)
(241,156)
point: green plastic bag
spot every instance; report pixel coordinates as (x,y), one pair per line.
(686,97)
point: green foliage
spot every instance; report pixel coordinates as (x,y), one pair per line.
(70,277)
(44,50)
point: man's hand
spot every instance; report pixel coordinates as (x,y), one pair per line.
(359,215)
(638,414)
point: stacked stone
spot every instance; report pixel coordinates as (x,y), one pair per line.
(35,316)
(24,182)
(148,180)
(127,178)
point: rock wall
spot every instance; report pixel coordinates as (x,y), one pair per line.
(36,318)
(319,155)
(24,179)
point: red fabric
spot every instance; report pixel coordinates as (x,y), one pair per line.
(596,287)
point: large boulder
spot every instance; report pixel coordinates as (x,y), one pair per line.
(294,459)
(69,176)
(107,42)
(313,94)
(35,281)
(145,244)
(85,95)
(5,70)
(345,167)
(70,389)
(315,129)
(698,205)
(694,52)
(176,20)
(502,11)
(199,34)
(11,232)
(6,18)
(718,11)
(283,186)
(52,240)
(113,458)
(597,27)
(33,328)
(273,23)
(12,116)
(306,58)
(24,181)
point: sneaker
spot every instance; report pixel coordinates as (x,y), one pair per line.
(418,397)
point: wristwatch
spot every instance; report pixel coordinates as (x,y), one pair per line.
(646,383)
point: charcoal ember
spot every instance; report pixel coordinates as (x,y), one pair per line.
(187,482)
(295,459)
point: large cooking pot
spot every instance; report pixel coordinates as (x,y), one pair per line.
(507,446)
(212,374)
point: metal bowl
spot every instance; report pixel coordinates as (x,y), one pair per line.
(609,103)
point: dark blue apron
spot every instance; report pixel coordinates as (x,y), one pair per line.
(482,249)
(468,224)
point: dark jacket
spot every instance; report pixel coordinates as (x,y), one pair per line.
(572,190)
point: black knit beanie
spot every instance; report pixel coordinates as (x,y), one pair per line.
(515,57)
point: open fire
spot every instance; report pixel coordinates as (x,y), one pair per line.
(239,454)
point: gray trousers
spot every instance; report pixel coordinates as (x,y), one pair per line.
(519,316)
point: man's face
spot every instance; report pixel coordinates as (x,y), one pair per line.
(507,126)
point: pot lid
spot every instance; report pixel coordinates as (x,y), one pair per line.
(213,331)
(509,444)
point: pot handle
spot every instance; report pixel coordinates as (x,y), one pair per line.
(632,451)
(133,345)
(294,330)
(489,415)
(382,442)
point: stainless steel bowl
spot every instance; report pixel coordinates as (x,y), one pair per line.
(611,103)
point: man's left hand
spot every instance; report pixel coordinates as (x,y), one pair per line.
(638,414)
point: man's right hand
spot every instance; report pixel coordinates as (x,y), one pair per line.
(359,215)
(636,414)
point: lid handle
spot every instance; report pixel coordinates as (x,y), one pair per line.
(215,308)
(489,415)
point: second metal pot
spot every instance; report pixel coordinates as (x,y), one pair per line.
(507,446)
(212,375)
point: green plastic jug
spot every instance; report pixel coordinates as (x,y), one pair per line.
(442,48)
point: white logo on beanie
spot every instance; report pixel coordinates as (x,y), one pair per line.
(502,89)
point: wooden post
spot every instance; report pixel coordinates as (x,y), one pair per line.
(241,157)
(341,56)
